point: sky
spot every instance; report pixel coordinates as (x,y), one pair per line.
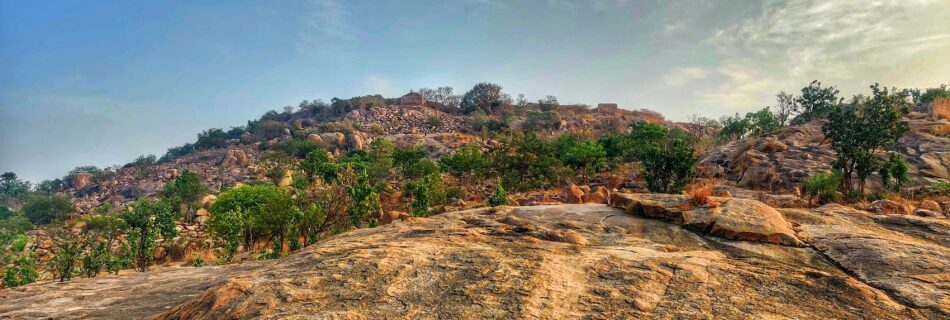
(100,82)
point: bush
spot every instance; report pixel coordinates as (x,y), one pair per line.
(244,215)
(317,164)
(15,224)
(269,129)
(497,198)
(45,209)
(466,163)
(68,251)
(434,121)
(525,162)
(816,102)
(176,152)
(212,138)
(297,148)
(940,187)
(822,187)
(186,189)
(667,158)
(581,154)
(22,272)
(147,221)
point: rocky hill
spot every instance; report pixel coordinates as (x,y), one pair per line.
(647,259)
(780,160)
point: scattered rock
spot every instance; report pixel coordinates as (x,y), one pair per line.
(599,195)
(572,194)
(888,206)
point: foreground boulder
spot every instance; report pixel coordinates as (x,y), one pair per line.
(733,218)
(544,262)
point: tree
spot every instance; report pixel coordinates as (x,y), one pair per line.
(12,189)
(580,154)
(405,157)
(466,163)
(186,190)
(484,96)
(425,191)
(786,107)
(364,198)
(147,221)
(525,162)
(866,126)
(212,138)
(763,121)
(317,164)
(816,102)
(733,127)
(22,272)
(894,168)
(667,158)
(275,165)
(381,159)
(45,209)
(255,212)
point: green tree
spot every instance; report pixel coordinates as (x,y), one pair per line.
(275,165)
(822,187)
(426,192)
(484,96)
(867,126)
(255,212)
(525,162)
(667,158)
(581,154)
(405,157)
(894,168)
(381,160)
(185,190)
(816,102)
(763,121)
(68,249)
(12,189)
(147,221)
(466,163)
(318,164)
(45,209)
(364,198)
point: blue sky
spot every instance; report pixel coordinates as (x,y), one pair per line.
(97,82)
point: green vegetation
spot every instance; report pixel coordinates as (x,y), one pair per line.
(244,215)
(46,209)
(894,168)
(484,96)
(185,190)
(147,221)
(22,272)
(525,162)
(581,154)
(816,103)
(866,126)
(497,198)
(667,158)
(467,163)
(754,123)
(822,187)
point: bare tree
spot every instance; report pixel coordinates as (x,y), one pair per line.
(786,107)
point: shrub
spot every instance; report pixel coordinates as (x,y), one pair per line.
(940,187)
(212,138)
(269,129)
(22,272)
(275,165)
(434,121)
(68,251)
(816,102)
(497,198)
(525,162)
(298,148)
(198,262)
(250,213)
(45,209)
(466,163)
(15,224)
(822,187)
(317,164)
(581,154)
(426,192)
(147,221)
(895,168)
(176,152)
(667,158)
(186,189)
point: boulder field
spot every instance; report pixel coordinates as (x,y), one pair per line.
(650,257)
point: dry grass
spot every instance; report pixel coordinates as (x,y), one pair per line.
(699,192)
(940,109)
(772,145)
(940,130)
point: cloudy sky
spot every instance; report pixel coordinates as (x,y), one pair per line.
(93,82)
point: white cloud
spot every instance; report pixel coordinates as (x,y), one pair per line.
(378,84)
(849,43)
(326,23)
(683,75)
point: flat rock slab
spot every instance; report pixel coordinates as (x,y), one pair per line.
(906,256)
(129,295)
(544,262)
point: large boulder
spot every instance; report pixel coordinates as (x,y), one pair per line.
(734,218)
(572,194)
(81,180)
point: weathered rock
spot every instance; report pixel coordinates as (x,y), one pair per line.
(207,201)
(315,138)
(928,213)
(599,195)
(930,205)
(615,182)
(907,256)
(888,206)
(392,216)
(81,180)
(572,194)
(736,219)
(287,180)
(544,262)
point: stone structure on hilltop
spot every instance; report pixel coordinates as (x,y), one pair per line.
(412,99)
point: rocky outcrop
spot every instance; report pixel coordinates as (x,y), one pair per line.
(782,159)
(906,256)
(736,219)
(130,295)
(545,262)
